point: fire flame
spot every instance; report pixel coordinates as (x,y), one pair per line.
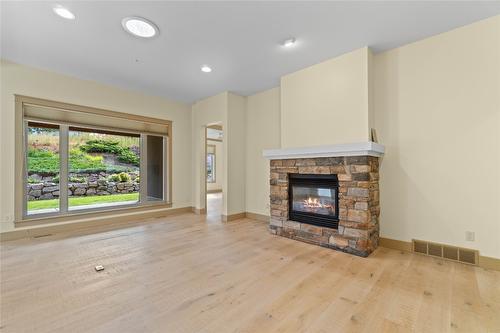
(315,203)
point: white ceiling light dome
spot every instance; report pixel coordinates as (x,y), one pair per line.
(140,27)
(289,42)
(206,69)
(63,12)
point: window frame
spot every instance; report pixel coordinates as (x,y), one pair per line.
(22,218)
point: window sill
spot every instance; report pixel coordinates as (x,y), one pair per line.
(81,214)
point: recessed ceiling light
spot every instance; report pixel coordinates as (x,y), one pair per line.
(140,27)
(63,12)
(289,42)
(206,69)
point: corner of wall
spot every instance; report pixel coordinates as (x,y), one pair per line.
(370,99)
(236,153)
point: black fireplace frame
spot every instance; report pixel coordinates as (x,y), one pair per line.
(316,180)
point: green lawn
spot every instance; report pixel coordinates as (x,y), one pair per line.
(83,201)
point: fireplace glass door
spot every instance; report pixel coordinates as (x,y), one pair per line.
(313,199)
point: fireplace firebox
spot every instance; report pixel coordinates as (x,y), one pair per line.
(314,199)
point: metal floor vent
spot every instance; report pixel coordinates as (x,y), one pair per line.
(459,254)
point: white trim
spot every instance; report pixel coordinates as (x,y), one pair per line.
(346,149)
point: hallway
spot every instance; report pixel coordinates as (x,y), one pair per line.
(214,206)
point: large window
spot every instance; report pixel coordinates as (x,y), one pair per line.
(42,181)
(103,169)
(75,167)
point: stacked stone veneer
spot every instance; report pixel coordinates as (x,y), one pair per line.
(359,206)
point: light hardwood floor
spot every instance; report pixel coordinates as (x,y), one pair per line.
(214,207)
(182,274)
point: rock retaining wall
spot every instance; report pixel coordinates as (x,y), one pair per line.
(43,188)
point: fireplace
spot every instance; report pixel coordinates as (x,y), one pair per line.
(331,201)
(314,199)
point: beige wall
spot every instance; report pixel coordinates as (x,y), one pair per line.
(18,79)
(263,132)
(327,103)
(235,154)
(437,111)
(228,110)
(219,166)
(208,111)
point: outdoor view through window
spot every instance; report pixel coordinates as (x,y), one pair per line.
(103,168)
(42,167)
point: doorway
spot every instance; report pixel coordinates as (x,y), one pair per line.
(214,170)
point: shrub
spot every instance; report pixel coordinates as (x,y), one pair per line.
(42,161)
(120,177)
(39,153)
(129,157)
(32,180)
(46,162)
(79,161)
(125,154)
(101,146)
(77,179)
(124,177)
(56,179)
(114,178)
(43,165)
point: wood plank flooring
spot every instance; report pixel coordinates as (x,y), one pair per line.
(184,274)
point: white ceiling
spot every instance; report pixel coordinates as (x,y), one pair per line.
(239,40)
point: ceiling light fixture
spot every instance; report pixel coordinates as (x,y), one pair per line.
(63,12)
(140,27)
(289,42)
(206,69)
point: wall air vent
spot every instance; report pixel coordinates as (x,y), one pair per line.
(435,250)
(467,256)
(450,252)
(419,246)
(459,254)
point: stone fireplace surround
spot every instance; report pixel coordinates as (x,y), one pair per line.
(359,206)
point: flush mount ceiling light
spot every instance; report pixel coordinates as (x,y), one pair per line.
(206,69)
(140,27)
(289,43)
(63,12)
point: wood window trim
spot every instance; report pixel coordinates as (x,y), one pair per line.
(27,100)
(81,215)
(20,102)
(216,127)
